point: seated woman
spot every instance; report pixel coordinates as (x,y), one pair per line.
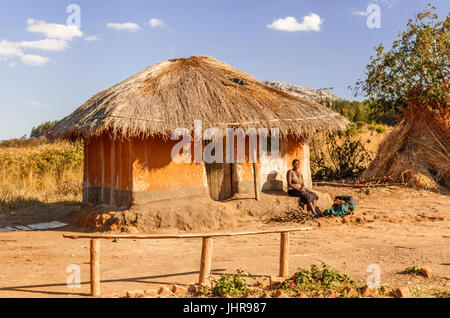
(296,187)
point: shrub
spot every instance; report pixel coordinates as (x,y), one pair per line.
(233,285)
(342,157)
(412,269)
(317,279)
(378,128)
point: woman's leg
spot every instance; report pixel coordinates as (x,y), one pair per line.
(315,206)
(312,206)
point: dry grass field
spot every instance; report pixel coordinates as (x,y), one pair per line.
(40,173)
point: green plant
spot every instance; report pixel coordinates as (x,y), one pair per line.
(378,128)
(412,269)
(342,157)
(233,285)
(317,279)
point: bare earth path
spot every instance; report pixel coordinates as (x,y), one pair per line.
(391,228)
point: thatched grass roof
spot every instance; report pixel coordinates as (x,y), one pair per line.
(176,92)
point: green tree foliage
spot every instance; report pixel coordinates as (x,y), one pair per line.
(42,130)
(362,111)
(415,68)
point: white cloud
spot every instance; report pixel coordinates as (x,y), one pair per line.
(33,103)
(9,49)
(92,38)
(34,60)
(44,45)
(12,64)
(154,23)
(15,49)
(53,30)
(310,22)
(127,26)
(58,36)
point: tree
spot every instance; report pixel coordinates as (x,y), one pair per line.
(42,130)
(412,80)
(416,67)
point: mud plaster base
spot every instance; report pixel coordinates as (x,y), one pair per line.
(191,214)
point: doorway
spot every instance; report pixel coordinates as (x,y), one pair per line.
(220,179)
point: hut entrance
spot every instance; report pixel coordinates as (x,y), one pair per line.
(220,179)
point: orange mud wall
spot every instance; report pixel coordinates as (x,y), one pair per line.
(107,171)
(122,172)
(156,177)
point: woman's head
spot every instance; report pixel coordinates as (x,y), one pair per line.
(296,164)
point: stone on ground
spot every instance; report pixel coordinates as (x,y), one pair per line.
(164,292)
(403,292)
(426,271)
(368,292)
(192,289)
(135,294)
(179,291)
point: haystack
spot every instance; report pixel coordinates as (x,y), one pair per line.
(417,151)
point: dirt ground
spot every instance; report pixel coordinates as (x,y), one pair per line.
(393,228)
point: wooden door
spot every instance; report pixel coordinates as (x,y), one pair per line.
(220,180)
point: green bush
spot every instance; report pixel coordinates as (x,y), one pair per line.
(412,269)
(233,285)
(316,279)
(378,128)
(342,157)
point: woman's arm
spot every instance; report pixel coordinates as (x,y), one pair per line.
(302,188)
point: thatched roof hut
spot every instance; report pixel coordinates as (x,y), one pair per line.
(145,109)
(176,92)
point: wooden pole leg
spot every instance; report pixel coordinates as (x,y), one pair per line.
(284,254)
(95,267)
(256,181)
(205,262)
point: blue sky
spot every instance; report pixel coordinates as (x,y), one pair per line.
(48,69)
